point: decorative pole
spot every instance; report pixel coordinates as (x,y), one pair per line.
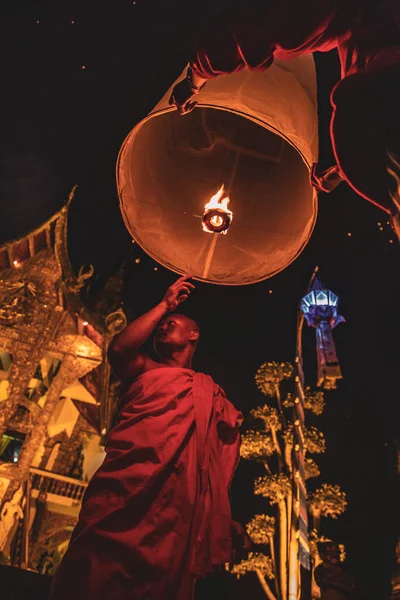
(299,551)
(319,309)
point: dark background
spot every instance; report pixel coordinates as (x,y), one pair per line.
(62,124)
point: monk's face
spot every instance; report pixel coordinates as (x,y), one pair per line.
(174,333)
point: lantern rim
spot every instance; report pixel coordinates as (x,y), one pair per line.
(155,113)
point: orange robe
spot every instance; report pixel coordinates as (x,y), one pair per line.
(156,514)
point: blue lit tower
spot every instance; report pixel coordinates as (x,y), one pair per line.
(320,309)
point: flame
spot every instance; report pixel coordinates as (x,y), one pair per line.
(216,202)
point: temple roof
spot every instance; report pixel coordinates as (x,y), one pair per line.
(15,252)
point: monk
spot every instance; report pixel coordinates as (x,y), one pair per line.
(156,515)
(365,126)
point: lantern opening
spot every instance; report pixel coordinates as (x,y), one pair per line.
(257,133)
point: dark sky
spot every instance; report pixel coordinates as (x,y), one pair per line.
(63,124)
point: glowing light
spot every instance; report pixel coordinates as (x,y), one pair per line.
(381,228)
(269,291)
(156,268)
(217,217)
(349,234)
(16,264)
(85,323)
(83,67)
(137,261)
(390,241)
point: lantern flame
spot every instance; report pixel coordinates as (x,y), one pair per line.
(216,202)
(217,217)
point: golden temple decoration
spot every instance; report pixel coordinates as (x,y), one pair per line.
(56,393)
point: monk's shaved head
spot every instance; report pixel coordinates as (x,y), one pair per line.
(191,323)
(175,332)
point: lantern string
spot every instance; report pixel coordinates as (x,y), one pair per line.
(233,174)
(210,255)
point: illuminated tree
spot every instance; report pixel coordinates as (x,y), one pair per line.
(269,441)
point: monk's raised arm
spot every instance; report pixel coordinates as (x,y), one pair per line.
(125,350)
(239,38)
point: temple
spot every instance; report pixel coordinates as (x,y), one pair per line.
(56,394)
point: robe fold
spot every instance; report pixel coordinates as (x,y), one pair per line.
(156,514)
(366,121)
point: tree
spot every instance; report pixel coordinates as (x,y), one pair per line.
(268,440)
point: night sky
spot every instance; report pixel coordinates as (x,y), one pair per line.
(77,79)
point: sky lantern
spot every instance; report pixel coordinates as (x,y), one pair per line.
(223,193)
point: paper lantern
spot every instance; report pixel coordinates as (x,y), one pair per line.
(256,135)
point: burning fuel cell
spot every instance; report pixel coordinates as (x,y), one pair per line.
(217,218)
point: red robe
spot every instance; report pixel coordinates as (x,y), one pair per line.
(366,121)
(156,514)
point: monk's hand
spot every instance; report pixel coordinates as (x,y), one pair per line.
(181,97)
(178,292)
(325,181)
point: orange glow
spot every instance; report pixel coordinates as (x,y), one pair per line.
(16,263)
(218,204)
(85,323)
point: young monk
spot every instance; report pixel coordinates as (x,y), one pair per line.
(365,126)
(156,515)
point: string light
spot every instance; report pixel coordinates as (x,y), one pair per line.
(390,241)
(349,234)
(83,67)
(137,261)
(85,323)
(269,291)
(156,268)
